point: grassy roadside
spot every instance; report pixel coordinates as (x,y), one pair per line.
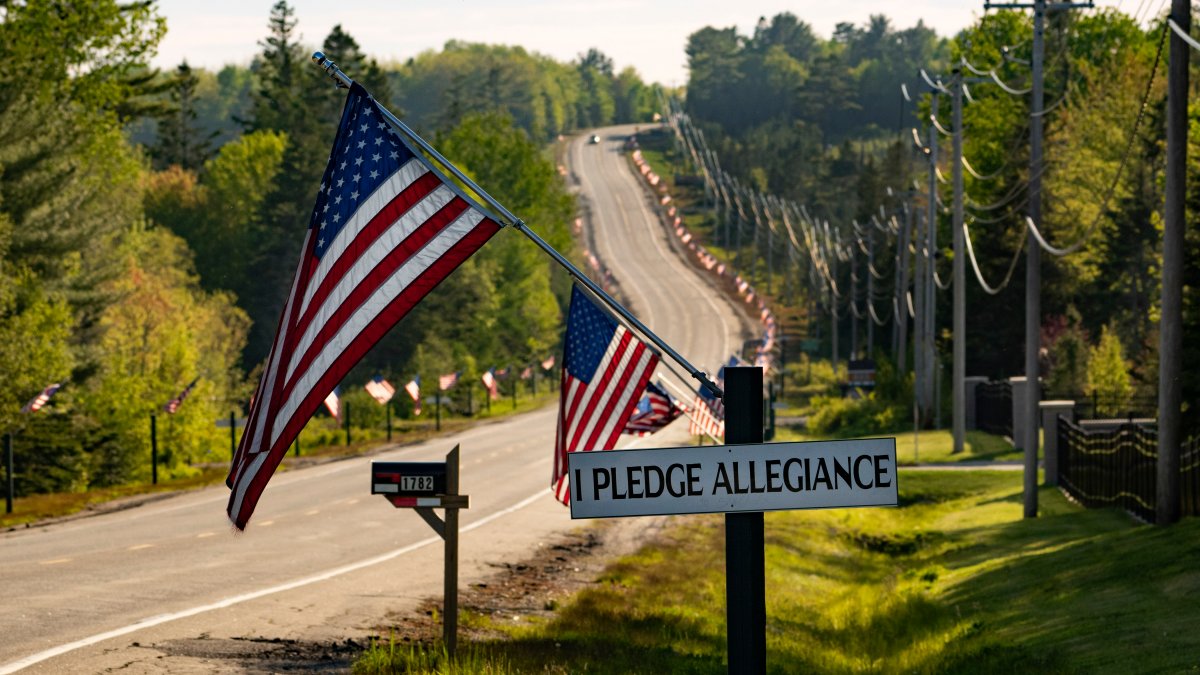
(39,507)
(934,446)
(952,581)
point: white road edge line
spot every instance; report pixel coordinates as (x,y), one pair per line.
(152,621)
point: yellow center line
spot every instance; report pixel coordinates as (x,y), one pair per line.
(206,534)
(140,547)
(312,513)
(56,561)
(266,523)
(350,502)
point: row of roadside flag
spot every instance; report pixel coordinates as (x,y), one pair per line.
(170,407)
(382,391)
(387,227)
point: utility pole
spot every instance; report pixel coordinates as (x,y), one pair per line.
(1033,259)
(902,245)
(928,355)
(959,367)
(1170,350)
(833,300)
(853,299)
(870,292)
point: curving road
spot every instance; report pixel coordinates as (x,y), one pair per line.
(322,560)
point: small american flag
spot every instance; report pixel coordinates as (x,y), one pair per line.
(527,373)
(447,381)
(172,406)
(489,381)
(605,369)
(333,403)
(380,390)
(414,391)
(708,416)
(387,228)
(39,401)
(656,410)
(548,363)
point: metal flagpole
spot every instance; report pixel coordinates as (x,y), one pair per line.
(344,81)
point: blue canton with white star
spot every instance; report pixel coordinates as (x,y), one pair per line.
(589,330)
(365,153)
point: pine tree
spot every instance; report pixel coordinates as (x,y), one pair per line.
(180,139)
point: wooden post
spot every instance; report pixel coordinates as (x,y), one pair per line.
(1170,390)
(387,411)
(8,473)
(450,604)
(745,582)
(347,415)
(153,449)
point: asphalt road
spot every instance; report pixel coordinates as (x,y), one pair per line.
(322,560)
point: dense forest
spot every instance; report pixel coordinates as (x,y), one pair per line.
(830,124)
(149,221)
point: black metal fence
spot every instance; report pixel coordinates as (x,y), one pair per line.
(993,407)
(1117,466)
(1098,406)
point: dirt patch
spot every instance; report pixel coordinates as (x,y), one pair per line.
(246,655)
(532,588)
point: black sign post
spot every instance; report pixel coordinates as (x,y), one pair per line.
(423,487)
(745,565)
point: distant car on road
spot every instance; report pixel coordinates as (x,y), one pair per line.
(594,139)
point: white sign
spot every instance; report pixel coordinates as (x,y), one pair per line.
(728,478)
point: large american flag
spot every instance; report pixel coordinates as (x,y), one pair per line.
(386,229)
(605,368)
(37,402)
(656,410)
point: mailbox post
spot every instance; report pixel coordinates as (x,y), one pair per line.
(423,487)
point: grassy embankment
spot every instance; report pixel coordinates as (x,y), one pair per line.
(320,440)
(952,581)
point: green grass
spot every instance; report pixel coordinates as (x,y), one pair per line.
(934,447)
(952,581)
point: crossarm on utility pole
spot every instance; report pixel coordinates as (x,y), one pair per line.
(344,80)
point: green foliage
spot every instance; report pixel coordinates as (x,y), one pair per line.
(1069,358)
(544,97)
(1108,375)
(160,333)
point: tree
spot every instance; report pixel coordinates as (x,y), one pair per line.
(1108,375)
(180,140)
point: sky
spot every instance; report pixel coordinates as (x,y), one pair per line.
(649,35)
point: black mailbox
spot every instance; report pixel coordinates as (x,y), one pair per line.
(408,479)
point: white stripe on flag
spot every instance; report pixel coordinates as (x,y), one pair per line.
(370,258)
(395,184)
(388,291)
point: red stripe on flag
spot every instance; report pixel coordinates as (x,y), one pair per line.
(370,283)
(383,322)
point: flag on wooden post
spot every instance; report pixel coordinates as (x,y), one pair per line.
(38,402)
(605,368)
(447,381)
(172,406)
(380,389)
(386,229)
(414,392)
(489,382)
(333,403)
